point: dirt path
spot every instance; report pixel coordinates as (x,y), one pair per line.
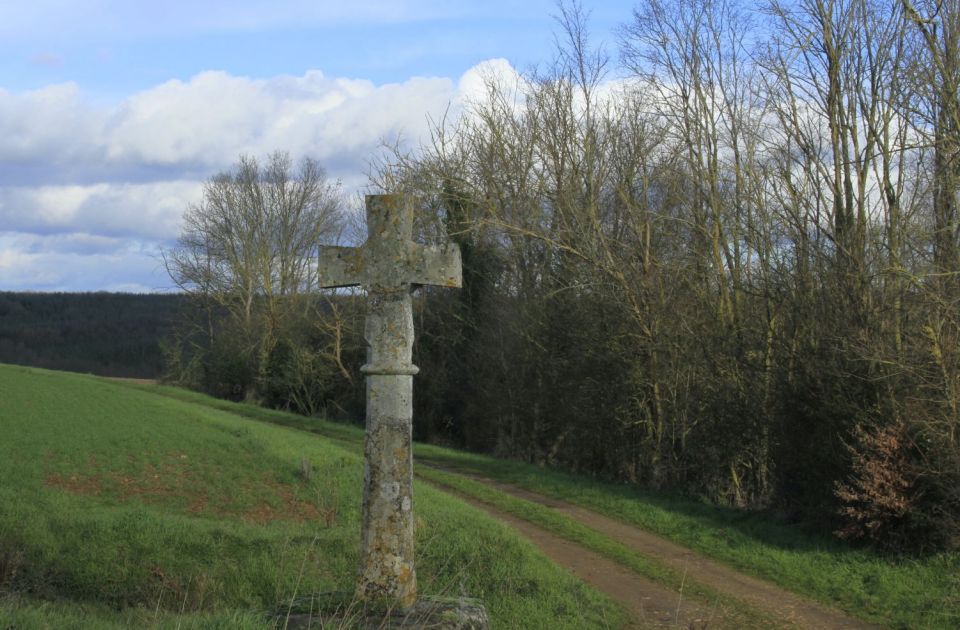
(649,601)
(652,605)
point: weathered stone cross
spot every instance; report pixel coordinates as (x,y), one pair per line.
(390,265)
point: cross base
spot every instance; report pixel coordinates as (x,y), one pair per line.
(338,610)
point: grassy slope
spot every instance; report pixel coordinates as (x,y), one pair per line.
(904,593)
(119,507)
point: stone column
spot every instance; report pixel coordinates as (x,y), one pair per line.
(389,265)
(387,566)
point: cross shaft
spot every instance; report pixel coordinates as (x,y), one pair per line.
(390,265)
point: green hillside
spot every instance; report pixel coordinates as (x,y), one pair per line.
(121,507)
(889,590)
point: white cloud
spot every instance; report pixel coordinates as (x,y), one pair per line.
(474,82)
(79,243)
(203,124)
(53,123)
(74,171)
(151,210)
(215,116)
(78,262)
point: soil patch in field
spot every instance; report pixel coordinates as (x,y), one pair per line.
(172,482)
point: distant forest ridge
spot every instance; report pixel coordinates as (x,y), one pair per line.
(108,334)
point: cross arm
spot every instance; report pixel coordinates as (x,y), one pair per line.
(412,263)
(341,267)
(438,265)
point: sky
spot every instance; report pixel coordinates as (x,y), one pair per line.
(114,112)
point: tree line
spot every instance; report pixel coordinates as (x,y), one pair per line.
(723,259)
(109,334)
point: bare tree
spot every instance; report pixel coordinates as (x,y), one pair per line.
(247,251)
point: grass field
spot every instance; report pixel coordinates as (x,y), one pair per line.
(121,508)
(893,592)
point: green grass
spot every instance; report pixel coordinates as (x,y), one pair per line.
(25,612)
(121,508)
(894,592)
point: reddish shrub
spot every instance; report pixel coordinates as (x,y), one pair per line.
(879,499)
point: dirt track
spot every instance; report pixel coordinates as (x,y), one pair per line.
(652,604)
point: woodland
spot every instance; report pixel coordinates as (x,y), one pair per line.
(110,334)
(721,259)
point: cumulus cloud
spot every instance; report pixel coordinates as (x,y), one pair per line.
(151,210)
(75,169)
(52,124)
(215,116)
(202,125)
(472,86)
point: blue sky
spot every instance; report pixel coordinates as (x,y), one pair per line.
(113,112)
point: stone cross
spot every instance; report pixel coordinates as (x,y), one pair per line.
(390,266)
